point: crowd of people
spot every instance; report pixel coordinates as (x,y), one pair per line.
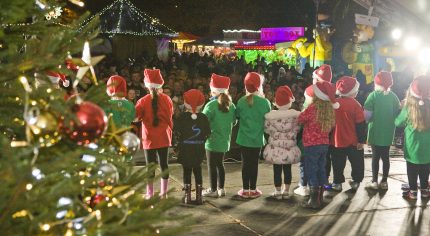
(307,118)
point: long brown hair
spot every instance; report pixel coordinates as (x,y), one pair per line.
(224,102)
(250,99)
(325,114)
(419,115)
(154,104)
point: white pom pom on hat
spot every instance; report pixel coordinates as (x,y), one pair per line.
(420,89)
(194,100)
(327,92)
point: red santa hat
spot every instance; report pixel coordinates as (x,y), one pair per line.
(116,86)
(347,86)
(383,81)
(284,97)
(194,100)
(57,77)
(322,74)
(252,82)
(309,92)
(326,92)
(219,83)
(153,78)
(420,89)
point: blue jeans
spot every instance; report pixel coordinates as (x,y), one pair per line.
(315,161)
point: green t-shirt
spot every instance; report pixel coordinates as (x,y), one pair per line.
(381,126)
(221,124)
(417,144)
(251,118)
(123,112)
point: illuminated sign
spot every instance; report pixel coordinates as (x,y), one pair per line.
(282,34)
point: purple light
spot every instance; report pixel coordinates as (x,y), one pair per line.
(282,34)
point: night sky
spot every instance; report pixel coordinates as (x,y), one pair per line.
(209,17)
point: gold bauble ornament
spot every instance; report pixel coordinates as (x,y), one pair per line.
(43,126)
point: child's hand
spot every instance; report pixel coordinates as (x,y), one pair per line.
(360,146)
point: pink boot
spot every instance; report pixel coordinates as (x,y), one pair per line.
(149,191)
(163,188)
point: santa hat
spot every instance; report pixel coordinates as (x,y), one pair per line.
(326,92)
(322,74)
(219,83)
(347,86)
(57,77)
(116,86)
(383,81)
(153,78)
(309,92)
(253,82)
(194,100)
(420,89)
(284,97)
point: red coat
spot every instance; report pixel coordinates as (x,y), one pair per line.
(349,114)
(161,135)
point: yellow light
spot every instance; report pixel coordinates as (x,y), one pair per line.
(82,182)
(45,227)
(23,80)
(69,232)
(28,187)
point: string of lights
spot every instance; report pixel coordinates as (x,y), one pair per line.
(122,17)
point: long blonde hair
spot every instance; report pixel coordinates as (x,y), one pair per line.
(325,114)
(419,116)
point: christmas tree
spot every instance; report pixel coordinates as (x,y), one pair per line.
(62,166)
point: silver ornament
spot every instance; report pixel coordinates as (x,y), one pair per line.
(131,142)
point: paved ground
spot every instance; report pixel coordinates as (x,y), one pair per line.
(345,213)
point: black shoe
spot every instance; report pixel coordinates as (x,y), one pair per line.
(199,197)
(187,196)
(314,199)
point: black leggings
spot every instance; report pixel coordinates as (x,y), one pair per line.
(197,175)
(277,174)
(151,157)
(216,169)
(250,158)
(415,170)
(380,152)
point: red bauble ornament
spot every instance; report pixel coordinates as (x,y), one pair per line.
(96,199)
(92,123)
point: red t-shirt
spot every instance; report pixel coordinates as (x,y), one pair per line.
(312,133)
(348,115)
(161,135)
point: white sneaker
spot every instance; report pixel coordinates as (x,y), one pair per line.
(302,191)
(277,194)
(221,192)
(285,194)
(372,185)
(209,193)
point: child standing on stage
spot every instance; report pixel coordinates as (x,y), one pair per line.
(282,149)
(415,117)
(192,129)
(349,134)
(251,110)
(155,111)
(318,120)
(122,110)
(381,108)
(321,74)
(221,114)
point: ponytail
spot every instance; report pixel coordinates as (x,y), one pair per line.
(224,102)
(154,103)
(250,99)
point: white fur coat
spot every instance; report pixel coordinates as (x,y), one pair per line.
(282,127)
